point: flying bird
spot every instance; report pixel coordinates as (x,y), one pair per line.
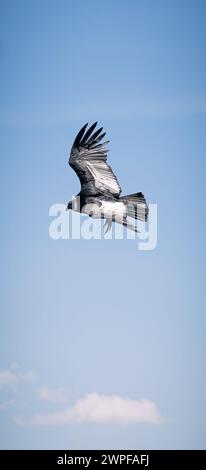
(100,190)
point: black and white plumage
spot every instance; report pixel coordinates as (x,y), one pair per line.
(100,190)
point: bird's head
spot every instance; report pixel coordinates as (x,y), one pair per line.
(69,205)
(74,204)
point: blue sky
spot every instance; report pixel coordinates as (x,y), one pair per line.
(87,321)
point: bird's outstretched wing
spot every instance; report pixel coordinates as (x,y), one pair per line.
(88,158)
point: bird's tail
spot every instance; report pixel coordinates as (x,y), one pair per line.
(137,207)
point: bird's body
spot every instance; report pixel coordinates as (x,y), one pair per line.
(101,208)
(100,190)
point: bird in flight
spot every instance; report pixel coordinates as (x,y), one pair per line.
(100,190)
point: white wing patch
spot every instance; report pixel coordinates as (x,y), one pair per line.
(109,210)
(114,210)
(103,176)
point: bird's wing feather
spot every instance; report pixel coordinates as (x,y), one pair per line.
(88,158)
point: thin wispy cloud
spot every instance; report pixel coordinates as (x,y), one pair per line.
(8,377)
(55,395)
(102,409)
(4,405)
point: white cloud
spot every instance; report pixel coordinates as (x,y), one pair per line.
(55,395)
(8,377)
(100,409)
